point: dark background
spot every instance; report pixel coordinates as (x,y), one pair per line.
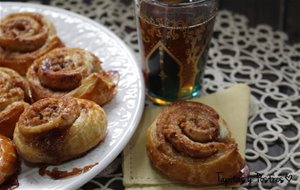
(283,15)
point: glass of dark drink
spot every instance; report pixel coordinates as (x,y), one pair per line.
(174,38)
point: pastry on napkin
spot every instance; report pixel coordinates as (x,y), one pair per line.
(232,104)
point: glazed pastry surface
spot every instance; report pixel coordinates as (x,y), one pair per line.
(23,38)
(8,159)
(54,130)
(190,143)
(13,91)
(71,72)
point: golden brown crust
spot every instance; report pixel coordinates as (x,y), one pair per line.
(8,159)
(54,130)
(190,143)
(13,92)
(70,72)
(25,37)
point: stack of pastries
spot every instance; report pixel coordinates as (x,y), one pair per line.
(66,88)
(189,142)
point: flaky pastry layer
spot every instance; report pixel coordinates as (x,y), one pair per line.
(8,159)
(13,92)
(71,72)
(190,143)
(25,37)
(54,130)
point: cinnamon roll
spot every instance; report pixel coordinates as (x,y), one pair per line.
(8,159)
(23,38)
(54,130)
(71,72)
(13,91)
(190,143)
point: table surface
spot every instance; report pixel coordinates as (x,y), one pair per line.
(259,57)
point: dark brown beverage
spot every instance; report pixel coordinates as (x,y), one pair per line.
(174,51)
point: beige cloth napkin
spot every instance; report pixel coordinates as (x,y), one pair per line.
(232,104)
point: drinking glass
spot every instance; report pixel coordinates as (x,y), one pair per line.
(174,39)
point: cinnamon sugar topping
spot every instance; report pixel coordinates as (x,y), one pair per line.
(24,32)
(65,110)
(191,128)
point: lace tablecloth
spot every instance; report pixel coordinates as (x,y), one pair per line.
(259,57)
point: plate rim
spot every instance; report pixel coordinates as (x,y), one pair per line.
(141,99)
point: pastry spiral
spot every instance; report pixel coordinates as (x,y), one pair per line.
(13,91)
(71,72)
(8,159)
(54,130)
(23,38)
(190,143)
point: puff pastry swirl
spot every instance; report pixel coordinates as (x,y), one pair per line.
(8,159)
(190,143)
(23,38)
(54,130)
(13,91)
(71,72)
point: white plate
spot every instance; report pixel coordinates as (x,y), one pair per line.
(123,112)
